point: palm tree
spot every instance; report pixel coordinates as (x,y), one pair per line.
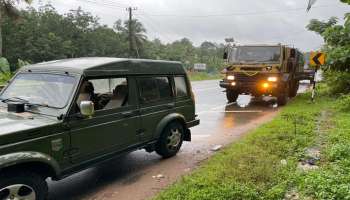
(8,9)
(138,37)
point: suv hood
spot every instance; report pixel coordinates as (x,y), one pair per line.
(18,122)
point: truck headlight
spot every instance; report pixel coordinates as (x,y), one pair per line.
(272,79)
(230,77)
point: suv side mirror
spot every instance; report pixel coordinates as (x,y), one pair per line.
(87,108)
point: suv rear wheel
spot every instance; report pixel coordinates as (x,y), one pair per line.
(170,140)
(23,185)
(231,95)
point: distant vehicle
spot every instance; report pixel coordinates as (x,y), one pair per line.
(263,70)
(61,117)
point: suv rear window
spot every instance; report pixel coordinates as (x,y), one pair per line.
(180,86)
(154,88)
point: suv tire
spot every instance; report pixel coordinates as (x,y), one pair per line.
(23,185)
(231,95)
(170,140)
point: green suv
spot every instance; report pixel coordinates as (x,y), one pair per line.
(61,117)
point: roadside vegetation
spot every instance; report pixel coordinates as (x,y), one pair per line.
(272,162)
(36,35)
(200,76)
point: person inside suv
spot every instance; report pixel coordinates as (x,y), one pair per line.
(119,98)
(86,93)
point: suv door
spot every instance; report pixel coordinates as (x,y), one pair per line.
(156,101)
(112,128)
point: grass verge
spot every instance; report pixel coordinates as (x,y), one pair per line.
(264,164)
(201,76)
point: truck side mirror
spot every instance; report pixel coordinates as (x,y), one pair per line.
(225,56)
(87,108)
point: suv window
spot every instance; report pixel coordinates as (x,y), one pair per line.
(105,93)
(180,86)
(154,88)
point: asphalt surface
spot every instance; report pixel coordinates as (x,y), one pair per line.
(141,175)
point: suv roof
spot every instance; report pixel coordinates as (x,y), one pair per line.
(105,66)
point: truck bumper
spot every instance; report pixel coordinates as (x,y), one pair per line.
(254,88)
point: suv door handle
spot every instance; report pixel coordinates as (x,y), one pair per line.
(170,105)
(129,114)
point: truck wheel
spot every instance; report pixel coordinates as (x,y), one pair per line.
(23,185)
(170,140)
(283,96)
(231,95)
(294,89)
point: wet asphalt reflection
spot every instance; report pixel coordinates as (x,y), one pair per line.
(130,176)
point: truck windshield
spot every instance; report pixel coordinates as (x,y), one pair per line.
(49,90)
(255,54)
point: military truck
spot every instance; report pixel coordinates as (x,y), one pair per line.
(271,70)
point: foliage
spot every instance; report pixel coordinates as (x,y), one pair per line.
(343,103)
(4,77)
(4,65)
(252,167)
(337,47)
(44,34)
(331,180)
(199,76)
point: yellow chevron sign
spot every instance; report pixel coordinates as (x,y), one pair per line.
(317,58)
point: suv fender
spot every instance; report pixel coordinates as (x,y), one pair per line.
(167,119)
(28,157)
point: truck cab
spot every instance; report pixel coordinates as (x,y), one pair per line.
(262,70)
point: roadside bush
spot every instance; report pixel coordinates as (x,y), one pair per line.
(343,103)
(338,82)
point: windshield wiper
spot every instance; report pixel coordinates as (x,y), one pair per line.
(14,99)
(25,102)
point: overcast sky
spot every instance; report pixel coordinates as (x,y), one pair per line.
(248,21)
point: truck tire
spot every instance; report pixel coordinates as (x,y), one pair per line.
(23,185)
(170,140)
(231,95)
(282,98)
(294,89)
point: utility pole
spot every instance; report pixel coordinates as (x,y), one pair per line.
(131,38)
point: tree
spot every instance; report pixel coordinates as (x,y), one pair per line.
(8,9)
(337,47)
(138,34)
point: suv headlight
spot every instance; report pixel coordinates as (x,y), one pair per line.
(230,77)
(272,79)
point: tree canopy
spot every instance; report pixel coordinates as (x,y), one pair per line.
(43,34)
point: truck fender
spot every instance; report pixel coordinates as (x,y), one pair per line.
(166,120)
(19,158)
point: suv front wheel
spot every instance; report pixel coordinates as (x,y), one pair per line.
(170,140)
(23,185)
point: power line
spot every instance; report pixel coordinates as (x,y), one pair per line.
(153,24)
(238,13)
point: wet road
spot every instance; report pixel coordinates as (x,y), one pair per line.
(133,177)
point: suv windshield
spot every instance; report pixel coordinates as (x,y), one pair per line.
(43,89)
(263,54)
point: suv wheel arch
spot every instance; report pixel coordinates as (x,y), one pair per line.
(168,119)
(30,161)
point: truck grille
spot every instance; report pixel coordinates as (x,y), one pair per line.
(243,77)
